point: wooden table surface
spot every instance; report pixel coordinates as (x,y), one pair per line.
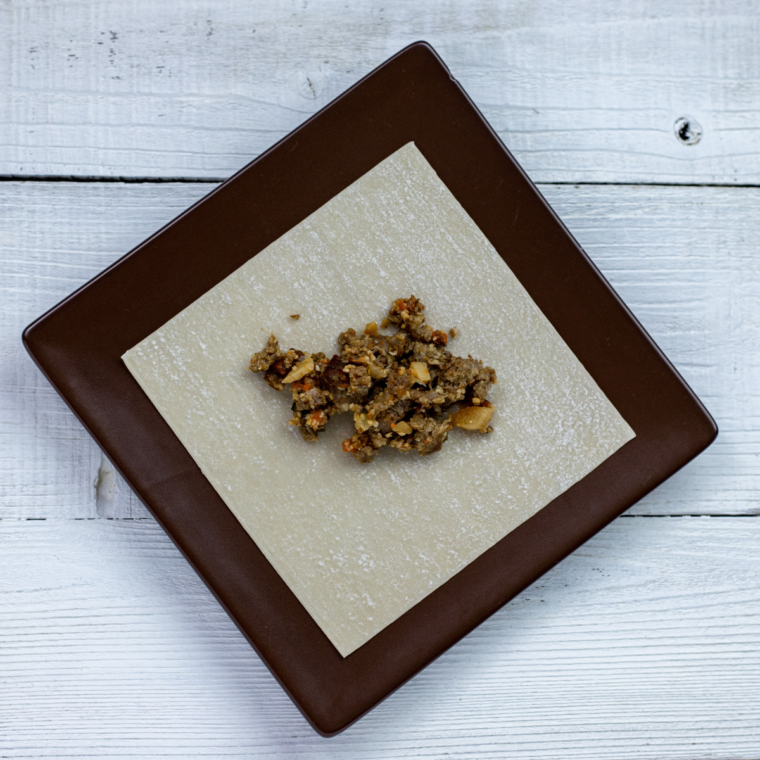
(114,117)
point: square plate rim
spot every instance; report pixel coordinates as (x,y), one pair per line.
(33,345)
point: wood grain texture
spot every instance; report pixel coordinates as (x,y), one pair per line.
(578,91)
(53,238)
(683,259)
(644,644)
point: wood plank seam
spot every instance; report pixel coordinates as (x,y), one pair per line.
(96,179)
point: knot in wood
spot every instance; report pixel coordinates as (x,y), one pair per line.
(688,131)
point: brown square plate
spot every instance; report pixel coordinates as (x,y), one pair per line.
(411,97)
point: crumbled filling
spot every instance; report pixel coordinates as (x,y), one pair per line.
(405,390)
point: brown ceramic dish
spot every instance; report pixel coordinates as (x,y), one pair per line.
(411,97)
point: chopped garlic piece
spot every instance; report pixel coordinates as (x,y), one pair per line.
(402,428)
(473,417)
(419,371)
(301,368)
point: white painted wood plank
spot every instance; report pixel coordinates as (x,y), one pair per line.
(53,238)
(579,91)
(683,259)
(643,644)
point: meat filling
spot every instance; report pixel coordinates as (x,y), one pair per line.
(405,390)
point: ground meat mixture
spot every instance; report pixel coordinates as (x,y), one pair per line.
(400,387)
